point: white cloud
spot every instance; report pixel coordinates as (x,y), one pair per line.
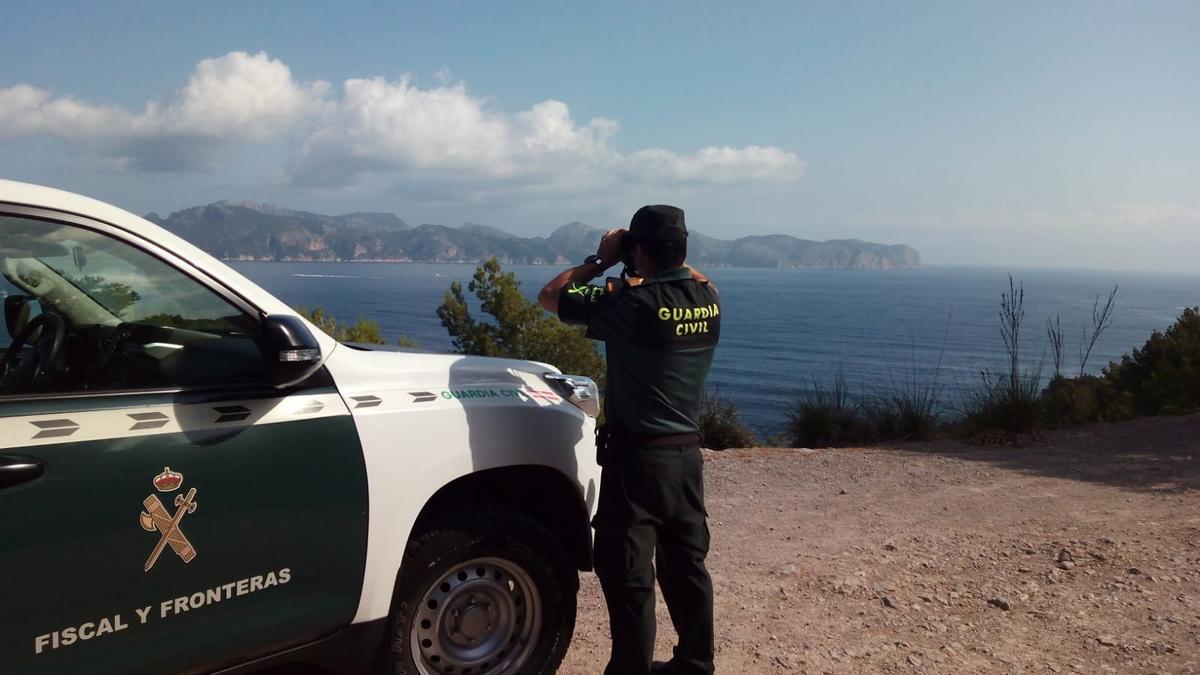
(1110,218)
(1145,215)
(26,110)
(721,166)
(238,97)
(1120,235)
(371,130)
(378,125)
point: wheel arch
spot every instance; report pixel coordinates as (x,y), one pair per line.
(540,492)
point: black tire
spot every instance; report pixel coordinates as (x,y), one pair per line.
(513,542)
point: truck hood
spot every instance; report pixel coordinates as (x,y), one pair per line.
(372,367)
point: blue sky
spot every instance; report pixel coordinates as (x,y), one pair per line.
(1013,134)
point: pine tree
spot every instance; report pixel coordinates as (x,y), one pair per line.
(518,329)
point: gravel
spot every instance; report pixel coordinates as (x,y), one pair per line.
(1077,552)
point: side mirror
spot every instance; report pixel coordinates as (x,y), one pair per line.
(291,350)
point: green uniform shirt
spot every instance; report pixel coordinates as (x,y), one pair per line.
(659,340)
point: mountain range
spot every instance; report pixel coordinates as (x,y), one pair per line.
(253,231)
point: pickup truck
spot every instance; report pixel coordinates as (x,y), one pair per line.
(195,479)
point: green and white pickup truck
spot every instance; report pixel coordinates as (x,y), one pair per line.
(194,479)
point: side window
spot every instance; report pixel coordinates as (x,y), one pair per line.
(86,312)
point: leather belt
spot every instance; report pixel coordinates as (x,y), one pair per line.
(654,441)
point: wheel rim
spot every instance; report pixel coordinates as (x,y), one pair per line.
(480,618)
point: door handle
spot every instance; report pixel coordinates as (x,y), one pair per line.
(15,470)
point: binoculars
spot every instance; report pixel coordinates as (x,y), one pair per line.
(628,242)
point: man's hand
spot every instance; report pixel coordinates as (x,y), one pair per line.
(609,253)
(609,250)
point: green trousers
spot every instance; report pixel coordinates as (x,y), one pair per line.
(651,516)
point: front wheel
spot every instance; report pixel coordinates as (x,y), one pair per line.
(483,594)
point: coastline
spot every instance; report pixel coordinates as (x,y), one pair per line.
(542,263)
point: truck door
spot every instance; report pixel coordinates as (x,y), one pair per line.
(163,508)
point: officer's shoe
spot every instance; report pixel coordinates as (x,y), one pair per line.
(670,668)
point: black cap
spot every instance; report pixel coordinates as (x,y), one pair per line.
(658,222)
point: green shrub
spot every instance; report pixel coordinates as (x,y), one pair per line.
(903,416)
(321,319)
(364,330)
(721,424)
(1163,377)
(909,408)
(778,439)
(825,416)
(1004,402)
(1084,399)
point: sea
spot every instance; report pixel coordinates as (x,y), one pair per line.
(784,332)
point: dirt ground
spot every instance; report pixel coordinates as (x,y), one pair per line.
(1077,553)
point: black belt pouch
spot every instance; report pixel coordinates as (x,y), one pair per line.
(604,445)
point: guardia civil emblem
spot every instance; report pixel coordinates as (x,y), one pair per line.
(156,518)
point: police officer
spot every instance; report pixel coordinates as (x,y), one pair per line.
(659,339)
